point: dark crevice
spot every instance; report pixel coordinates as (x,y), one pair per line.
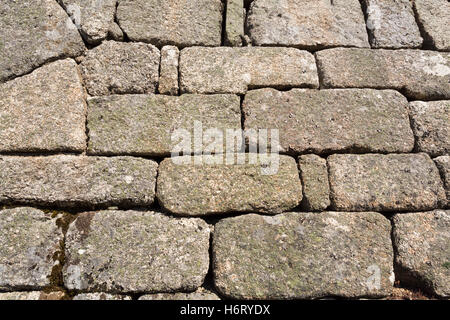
(428,43)
(366,17)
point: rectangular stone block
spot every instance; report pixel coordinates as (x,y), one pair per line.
(303,255)
(324,121)
(135,251)
(44,111)
(235,20)
(434,17)
(29,249)
(307,24)
(234,70)
(70,181)
(394,182)
(443,164)
(199,186)
(316,188)
(144,124)
(168,75)
(172,22)
(430,122)
(419,74)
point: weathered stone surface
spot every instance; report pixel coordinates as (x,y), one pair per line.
(44,111)
(92,17)
(443,164)
(322,121)
(431,125)
(33,32)
(66,180)
(422,242)
(307,23)
(29,242)
(303,255)
(175,22)
(434,16)
(316,188)
(115,67)
(235,20)
(134,251)
(394,182)
(420,74)
(197,186)
(100,296)
(391,24)
(32,295)
(234,70)
(144,124)
(200,294)
(168,78)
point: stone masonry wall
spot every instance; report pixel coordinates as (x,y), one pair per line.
(92,206)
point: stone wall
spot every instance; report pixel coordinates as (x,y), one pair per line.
(94,207)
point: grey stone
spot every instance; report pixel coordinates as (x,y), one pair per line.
(303,255)
(144,124)
(391,24)
(168,77)
(199,186)
(93,17)
(116,67)
(174,22)
(115,33)
(443,164)
(394,182)
(135,251)
(29,244)
(234,70)
(434,16)
(44,110)
(235,19)
(68,181)
(100,296)
(420,74)
(316,188)
(431,125)
(33,32)
(32,295)
(307,24)
(423,252)
(200,294)
(324,121)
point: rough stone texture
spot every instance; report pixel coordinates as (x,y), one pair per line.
(199,189)
(307,24)
(235,20)
(323,121)
(420,74)
(33,32)
(394,182)
(135,251)
(67,180)
(93,18)
(423,252)
(29,242)
(44,111)
(168,78)
(431,125)
(115,67)
(32,295)
(100,296)
(180,23)
(391,24)
(143,124)
(443,164)
(316,188)
(434,16)
(303,255)
(234,70)
(200,294)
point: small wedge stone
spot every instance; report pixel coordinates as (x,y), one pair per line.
(434,16)
(234,28)
(316,188)
(168,80)
(443,164)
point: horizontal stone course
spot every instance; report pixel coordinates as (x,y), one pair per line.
(419,74)
(197,186)
(324,121)
(71,181)
(235,70)
(135,251)
(393,182)
(303,255)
